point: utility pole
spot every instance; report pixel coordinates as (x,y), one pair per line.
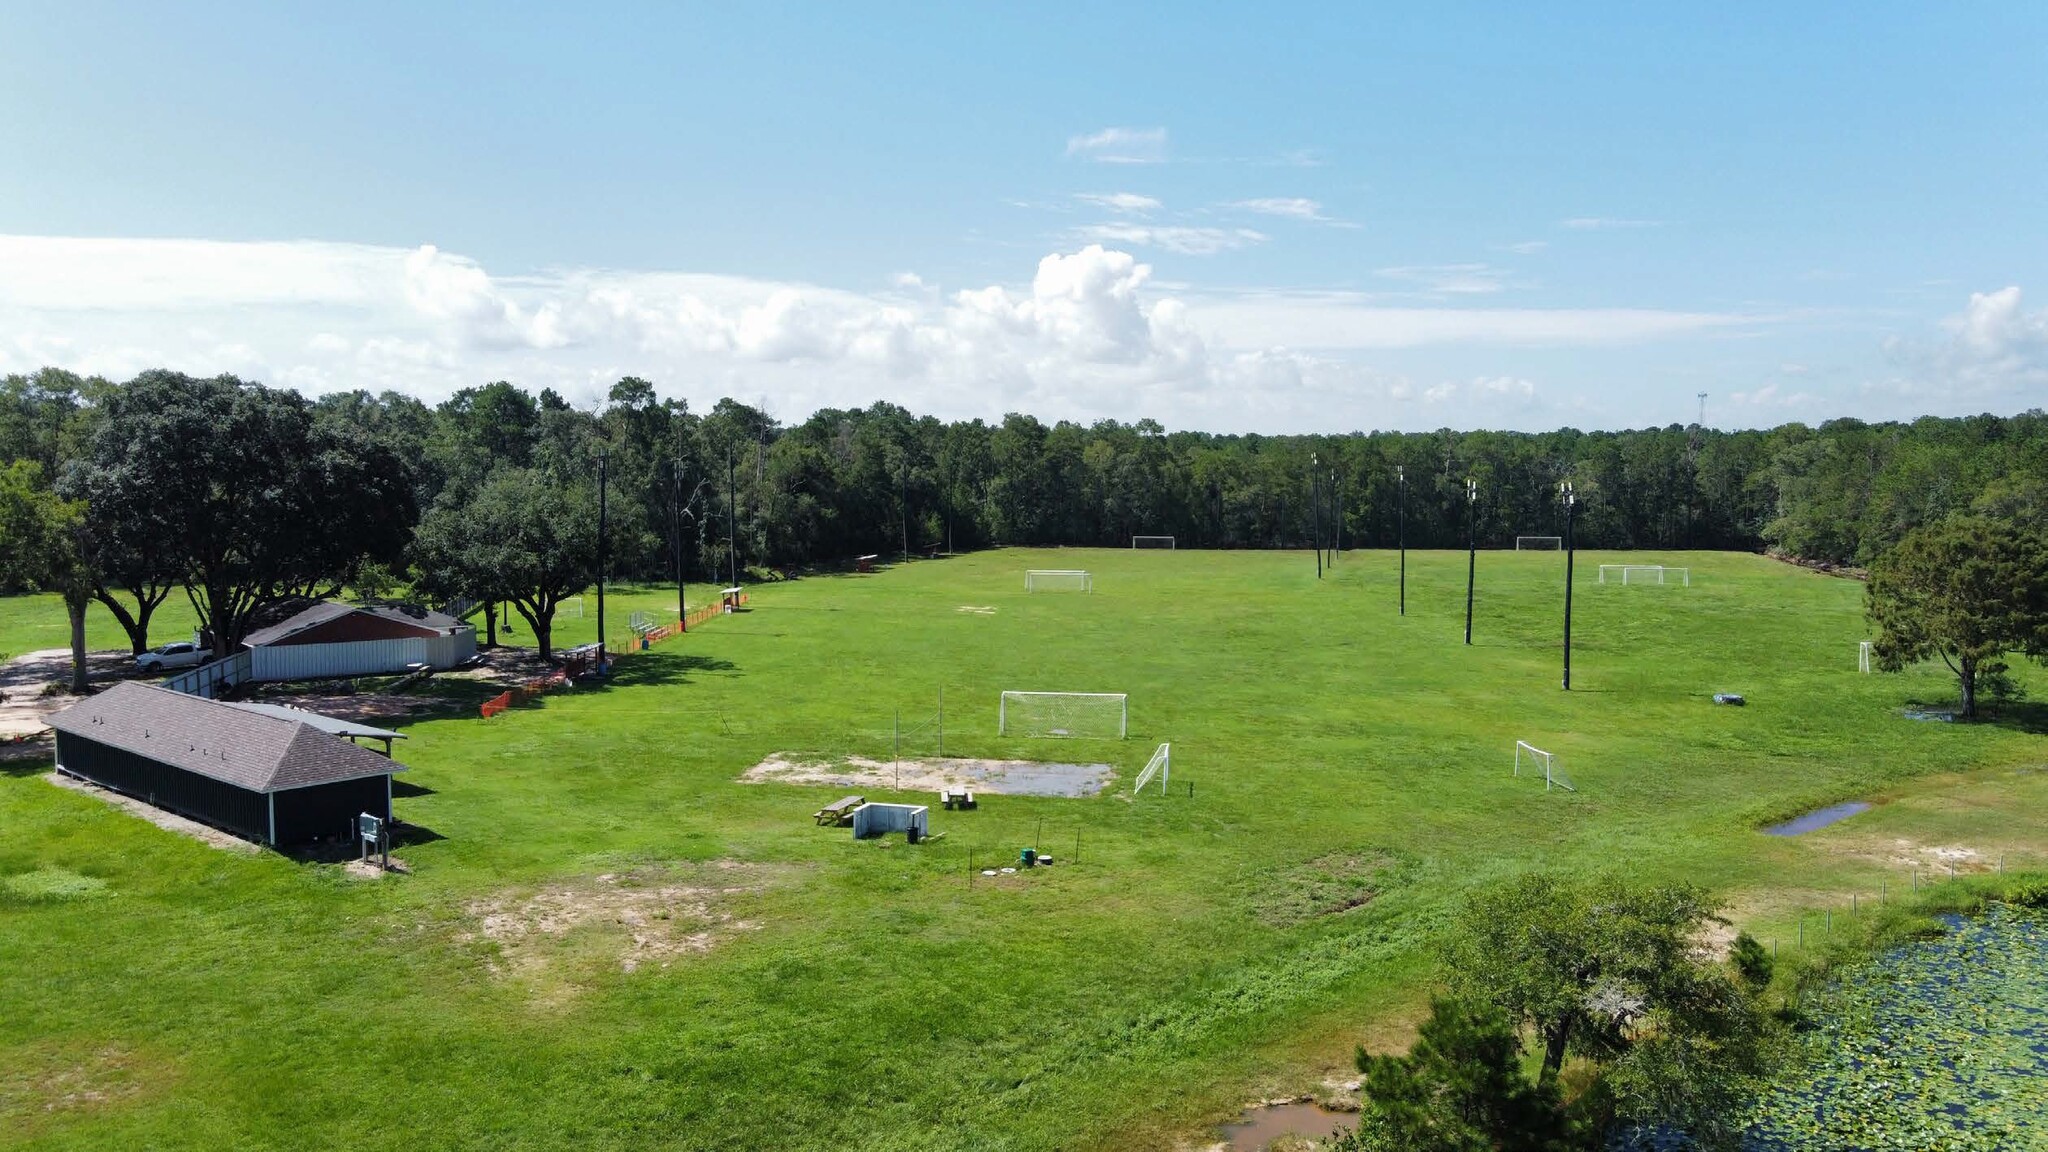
(732,517)
(1471,549)
(1571,501)
(603,476)
(1401,528)
(676,498)
(1315,514)
(903,504)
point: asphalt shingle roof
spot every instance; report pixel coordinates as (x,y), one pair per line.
(262,753)
(328,610)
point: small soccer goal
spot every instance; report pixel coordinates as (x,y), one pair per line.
(1538,543)
(1058,580)
(1160,765)
(1165,542)
(570,609)
(1644,574)
(1082,715)
(1863,656)
(1536,757)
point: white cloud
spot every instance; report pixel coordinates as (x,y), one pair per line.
(1606,224)
(1120,146)
(1120,201)
(1994,350)
(1293,207)
(1450,279)
(1089,334)
(1528,247)
(909,280)
(1188,241)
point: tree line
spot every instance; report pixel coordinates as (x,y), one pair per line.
(244,496)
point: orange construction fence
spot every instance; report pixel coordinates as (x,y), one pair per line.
(559,678)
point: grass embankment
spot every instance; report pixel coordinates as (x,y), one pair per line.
(811,992)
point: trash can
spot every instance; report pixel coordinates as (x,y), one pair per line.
(1028,858)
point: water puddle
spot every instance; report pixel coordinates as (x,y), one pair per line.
(1262,1126)
(1818,818)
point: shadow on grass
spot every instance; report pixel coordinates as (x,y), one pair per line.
(403,788)
(405,834)
(2030,716)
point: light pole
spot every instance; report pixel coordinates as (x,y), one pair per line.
(603,475)
(1571,501)
(1401,528)
(1471,549)
(1315,513)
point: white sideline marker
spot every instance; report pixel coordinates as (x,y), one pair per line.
(1160,763)
(1551,776)
(1061,713)
(1058,580)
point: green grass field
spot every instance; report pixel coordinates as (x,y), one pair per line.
(828,994)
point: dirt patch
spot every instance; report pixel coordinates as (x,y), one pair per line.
(25,710)
(630,919)
(994,777)
(169,821)
(52,1083)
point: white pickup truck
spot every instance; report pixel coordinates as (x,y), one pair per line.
(172,657)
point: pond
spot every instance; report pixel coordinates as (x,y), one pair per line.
(1938,1045)
(1818,818)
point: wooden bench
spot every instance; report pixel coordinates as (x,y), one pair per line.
(949,798)
(839,812)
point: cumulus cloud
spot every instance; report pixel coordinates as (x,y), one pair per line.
(1188,241)
(1089,333)
(1292,207)
(1120,146)
(1120,201)
(1993,349)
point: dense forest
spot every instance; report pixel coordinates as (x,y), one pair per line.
(386,490)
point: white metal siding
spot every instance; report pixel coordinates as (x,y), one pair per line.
(360,657)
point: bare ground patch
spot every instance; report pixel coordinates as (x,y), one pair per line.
(628,919)
(925,774)
(48,1083)
(169,821)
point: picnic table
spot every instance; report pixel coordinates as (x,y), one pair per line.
(839,812)
(956,798)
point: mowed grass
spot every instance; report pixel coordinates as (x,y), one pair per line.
(1197,952)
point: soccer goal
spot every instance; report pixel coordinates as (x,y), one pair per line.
(1863,656)
(1160,765)
(1096,715)
(570,609)
(1165,542)
(1644,574)
(1538,543)
(1058,580)
(1553,777)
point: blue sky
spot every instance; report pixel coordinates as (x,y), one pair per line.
(1230,218)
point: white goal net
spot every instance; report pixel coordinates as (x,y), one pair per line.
(1538,543)
(1058,580)
(1160,765)
(570,609)
(1095,715)
(1165,542)
(1863,656)
(1537,758)
(1644,574)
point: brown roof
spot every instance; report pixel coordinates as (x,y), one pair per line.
(259,752)
(422,621)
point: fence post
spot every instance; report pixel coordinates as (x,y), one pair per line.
(942,723)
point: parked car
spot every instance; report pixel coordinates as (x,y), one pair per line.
(172,657)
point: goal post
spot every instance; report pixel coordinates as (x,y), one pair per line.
(1538,543)
(1553,777)
(1085,715)
(1161,765)
(1165,542)
(1058,580)
(1645,574)
(1863,656)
